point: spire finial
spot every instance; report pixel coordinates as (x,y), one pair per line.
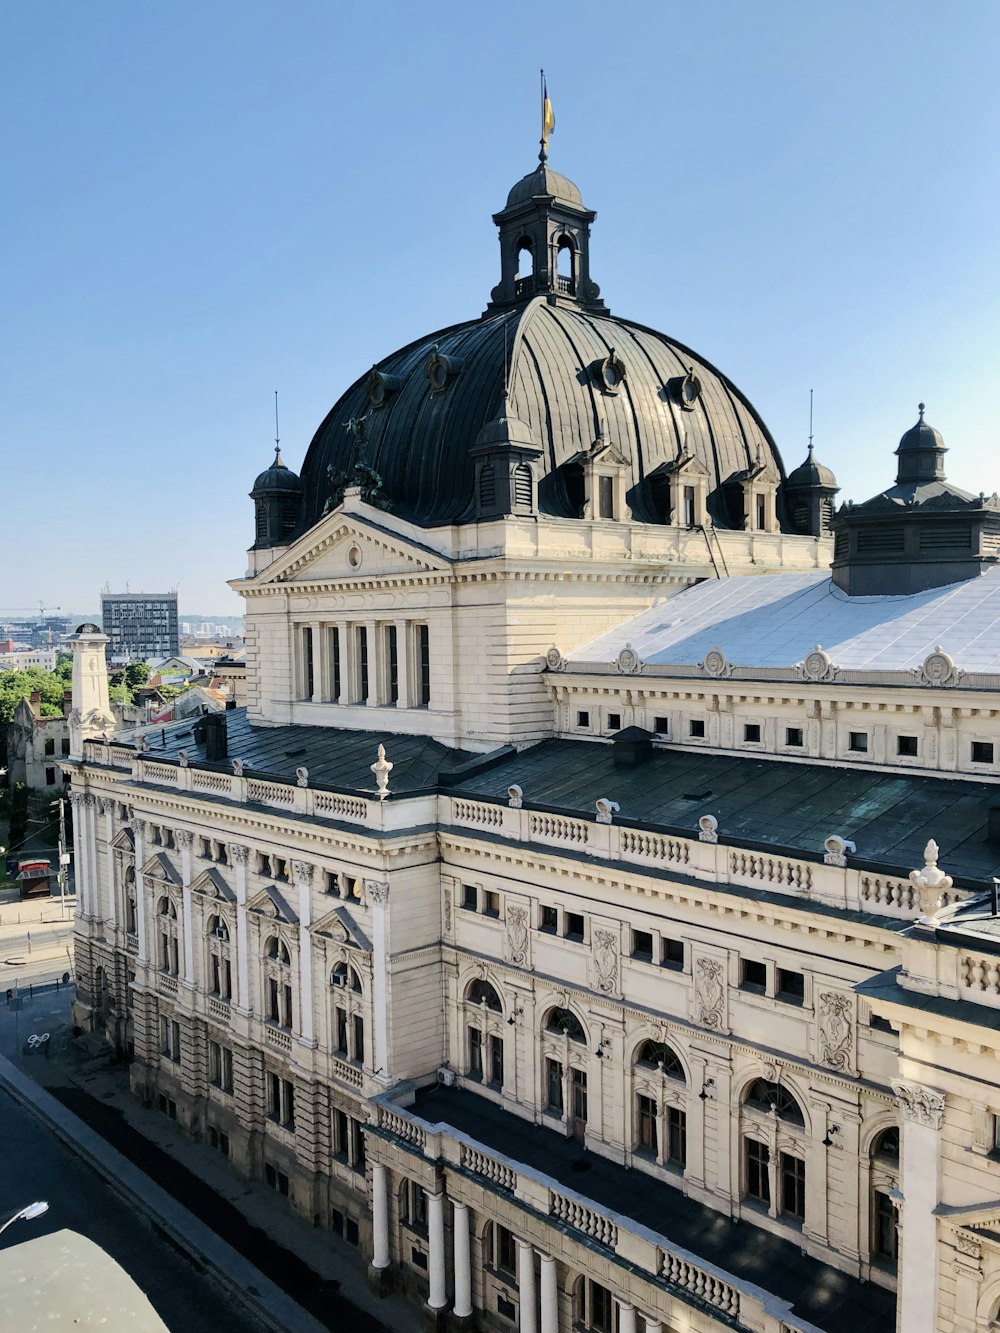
(548,120)
(920,409)
(277,438)
(810,423)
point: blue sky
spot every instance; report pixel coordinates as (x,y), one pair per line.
(206,201)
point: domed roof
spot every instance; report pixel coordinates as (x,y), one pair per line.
(810,473)
(921,436)
(544,181)
(277,478)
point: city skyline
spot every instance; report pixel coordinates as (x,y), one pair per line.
(259,232)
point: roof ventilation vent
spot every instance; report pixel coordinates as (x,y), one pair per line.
(631,747)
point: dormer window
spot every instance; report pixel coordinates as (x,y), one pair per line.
(679,491)
(605,474)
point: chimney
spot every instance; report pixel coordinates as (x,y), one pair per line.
(67,702)
(213,726)
(36,698)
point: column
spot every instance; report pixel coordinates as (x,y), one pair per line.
(374,664)
(526,1286)
(550,1296)
(238,856)
(921,1109)
(340,651)
(321,665)
(377,893)
(106,808)
(183,839)
(437,1298)
(652,1325)
(626,1318)
(380,1216)
(403,665)
(302,874)
(463,1263)
(79,851)
(141,925)
(348,663)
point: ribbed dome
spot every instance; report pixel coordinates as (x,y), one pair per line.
(276,478)
(921,436)
(810,473)
(562,360)
(543,180)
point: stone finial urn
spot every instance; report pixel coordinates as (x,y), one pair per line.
(382,767)
(931,884)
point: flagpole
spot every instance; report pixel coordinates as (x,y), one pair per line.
(543,150)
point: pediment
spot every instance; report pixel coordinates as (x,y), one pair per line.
(340,927)
(159,867)
(346,547)
(686,465)
(271,903)
(124,841)
(211,884)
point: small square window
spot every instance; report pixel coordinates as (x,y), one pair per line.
(550,919)
(696,728)
(470,897)
(858,741)
(661,725)
(982,752)
(672,953)
(491,903)
(751,733)
(907,746)
(642,945)
(791,986)
(574,926)
(793,736)
(614,721)
(583,718)
(753,976)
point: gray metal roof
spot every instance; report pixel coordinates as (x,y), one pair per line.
(420,440)
(775,620)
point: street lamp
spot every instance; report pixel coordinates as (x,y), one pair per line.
(26,1214)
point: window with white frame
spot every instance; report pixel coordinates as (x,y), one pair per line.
(347,1013)
(166,916)
(484,1029)
(278,992)
(220,969)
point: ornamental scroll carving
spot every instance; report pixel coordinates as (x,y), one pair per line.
(968,1245)
(836,1031)
(606,961)
(924,1106)
(447,911)
(517,935)
(710,994)
(302,872)
(238,853)
(183,837)
(377,891)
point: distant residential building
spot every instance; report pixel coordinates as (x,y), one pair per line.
(22,658)
(140,625)
(35,631)
(35,744)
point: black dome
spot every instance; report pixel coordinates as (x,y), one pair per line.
(544,181)
(276,479)
(810,473)
(921,436)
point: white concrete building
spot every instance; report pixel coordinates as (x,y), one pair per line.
(534,926)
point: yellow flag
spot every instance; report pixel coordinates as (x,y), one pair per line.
(548,117)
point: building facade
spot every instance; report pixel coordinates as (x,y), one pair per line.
(531,927)
(36,745)
(140,625)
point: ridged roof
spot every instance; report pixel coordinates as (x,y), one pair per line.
(419,440)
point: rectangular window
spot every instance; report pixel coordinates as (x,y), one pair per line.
(858,742)
(341,1134)
(64,748)
(906,746)
(661,725)
(689,507)
(392,663)
(574,926)
(885,1240)
(554,1085)
(358,1145)
(793,1185)
(646,1115)
(470,897)
(793,736)
(753,976)
(758,1180)
(583,718)
(307,663)
(642,945)
(332,883)
(424,667)
(491,903)
(273,1012)
(982,752)
(696,728)
(676,1131)
(286,1012)
(359,1039)
(751,733)
(602,1309)
(496,1060)
(672,953)
(50,746)
(475,1053)
(340,1023)
(791,986)
(50,777)
(549,919)
(761,512)
(335,689)
(362,639)
(505,1251)
(605,497)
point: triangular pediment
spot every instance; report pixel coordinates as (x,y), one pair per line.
(686,465)
(340,927)
(212,885)
(271,903)
(160,867)
(124,841)
(345,548)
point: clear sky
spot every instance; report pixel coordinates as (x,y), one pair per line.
(205,201)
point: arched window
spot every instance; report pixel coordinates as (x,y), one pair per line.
(565,1022)
(525,259)
(220,968)
(131,915)
(523,491)
(884,1155)
(169,947)
(261,524)
(277,983)
(346,978)
(347,1017)
(763,1095)
(886,1145)
(278,950)
(166,908)
(481,992)
(565,264)
(656,1054)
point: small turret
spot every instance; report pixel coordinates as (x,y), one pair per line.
(809,492)
(277,497)
(91,715)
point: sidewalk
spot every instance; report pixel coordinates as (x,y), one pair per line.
(336,1263)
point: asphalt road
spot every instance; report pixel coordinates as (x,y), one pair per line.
(35,1165)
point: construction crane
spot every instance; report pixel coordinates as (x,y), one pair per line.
(42,608)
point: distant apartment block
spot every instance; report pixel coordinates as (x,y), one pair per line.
(140,625)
